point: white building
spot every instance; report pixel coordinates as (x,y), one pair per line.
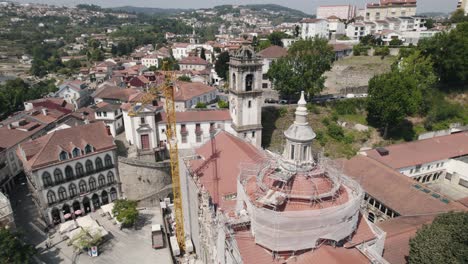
(193,63)
(463,5)
(311,28)
(335,27)
(74,92)
(111,115)
(188,94)
(390,8)
(150,60)
(180,50)
(346,12)
(428,160)
(71,172)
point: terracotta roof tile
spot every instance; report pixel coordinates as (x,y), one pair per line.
(230,152)
(189,90)
(45,150)
(423,151)
(193,60)
(273,52)
(394,189)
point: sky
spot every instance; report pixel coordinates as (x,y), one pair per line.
(307,6)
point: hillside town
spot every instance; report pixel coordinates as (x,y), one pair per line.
(236,134)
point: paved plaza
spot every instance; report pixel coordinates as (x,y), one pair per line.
(123,246)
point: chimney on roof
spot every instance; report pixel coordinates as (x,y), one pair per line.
(44,111)
(108,130)
(382,151)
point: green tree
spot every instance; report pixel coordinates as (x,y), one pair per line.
(275,38)
(449,52)
(200,105)
(302,68)
(222,66)
(13,250)
(430,23)
(184,78)
(458,16)
(125,211)
(263,45)
(86,239)
(368,40)
(443,241)
(395,42)
(152,68)
(392,97)
(223,104)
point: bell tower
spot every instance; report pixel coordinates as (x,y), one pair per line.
(245,94)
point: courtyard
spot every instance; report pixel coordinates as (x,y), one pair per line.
(122,246)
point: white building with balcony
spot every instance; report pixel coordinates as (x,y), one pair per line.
(71,172)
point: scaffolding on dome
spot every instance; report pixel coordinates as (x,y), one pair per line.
(286,217)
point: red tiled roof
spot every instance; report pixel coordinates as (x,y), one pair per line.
(341,47)
(53,103)
(230,152)
(11,137)
(399,231)
(252,253)
(193,60)
(273,52)
(45,150)
(180,45)
(188,90)
(116,93)
(423,151)
(199,116)
(394,189)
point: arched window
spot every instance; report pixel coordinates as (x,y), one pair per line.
(113,194)
(88,149)
(101,180)
(76,152)
(99,165)
(89,167)
(249,82)
(63,155)
(82,186)
(68,173)
(110,177)
(58,176)
(62,193)
(72,190)
(92,184)
(51,197)
(47,179)
(108,161)
(79,169)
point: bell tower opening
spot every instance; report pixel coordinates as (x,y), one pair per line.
(249,82)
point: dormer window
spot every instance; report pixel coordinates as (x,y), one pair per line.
(63,155)
(88,149)
(76,152)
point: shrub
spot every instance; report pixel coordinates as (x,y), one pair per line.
(125,211)
(223,104)
(383,51)
(335,131)
(349,106)
(200,105)
(283,111)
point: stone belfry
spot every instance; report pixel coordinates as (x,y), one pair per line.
(299,135)
(245,94)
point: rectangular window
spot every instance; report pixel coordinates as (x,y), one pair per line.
(105,114)
(292,152)
(265,77)
(249,104)
(264,85)
(411,171)
(98,113)
(253,134)
(142,120)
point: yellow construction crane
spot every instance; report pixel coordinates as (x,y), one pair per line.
(171,133)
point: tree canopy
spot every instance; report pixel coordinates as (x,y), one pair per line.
(12,250)
(222,66)
(302,68)
(443,241)
(125,211)
(275,38)
(395,95)
(449,52)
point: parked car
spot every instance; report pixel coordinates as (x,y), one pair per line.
(271,101)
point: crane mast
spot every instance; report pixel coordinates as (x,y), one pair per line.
(171,134)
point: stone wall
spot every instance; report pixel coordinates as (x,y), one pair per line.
(145,181)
